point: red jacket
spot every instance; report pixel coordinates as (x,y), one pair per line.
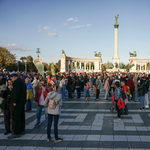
(130,84)
(38,93)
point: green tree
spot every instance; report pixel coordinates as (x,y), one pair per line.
(29,59)
(23,59)
(127,67)
(116,65)
(103,67)
(57,66)
(121,65)
(6,58)
(109,65)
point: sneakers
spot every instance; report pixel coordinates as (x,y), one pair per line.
(146,106)
(140,109)
(49,139)
(58,140)
(118,118)
(36,125)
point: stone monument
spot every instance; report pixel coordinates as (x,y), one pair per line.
(116,25)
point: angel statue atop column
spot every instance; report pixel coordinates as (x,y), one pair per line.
(116,18)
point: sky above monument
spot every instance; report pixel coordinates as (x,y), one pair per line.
(79,27)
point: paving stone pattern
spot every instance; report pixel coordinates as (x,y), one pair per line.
(85,125)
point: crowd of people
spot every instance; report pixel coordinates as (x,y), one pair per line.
(18,90)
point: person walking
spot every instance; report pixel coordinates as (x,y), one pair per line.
(62,85)
(8,108)
(78,86)
(53,113)
(40,96)
(35,84)
(19,100)
(29,94)
(135,89)
(98,87)
(106,87)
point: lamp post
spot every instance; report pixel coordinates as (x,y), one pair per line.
(38,52)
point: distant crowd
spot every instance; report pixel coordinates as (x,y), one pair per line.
(17,90)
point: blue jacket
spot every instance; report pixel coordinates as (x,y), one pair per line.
(29,86)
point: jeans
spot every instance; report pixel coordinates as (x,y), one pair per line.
(86,92)
(97,93)
(142,101)
(78,92)
(50,120)
(63,91)
(106,94)
(28,104)
(146,99)
(131,92)
(149,95)
(39,110)
(135,96)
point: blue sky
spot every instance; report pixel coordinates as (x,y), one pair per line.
(80,27)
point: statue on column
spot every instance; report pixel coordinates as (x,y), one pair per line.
(98,54)
(116,18)
(63,52)
(133,54)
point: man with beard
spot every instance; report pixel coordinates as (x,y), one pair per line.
(19,100)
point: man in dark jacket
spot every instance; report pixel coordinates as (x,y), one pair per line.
(19,100)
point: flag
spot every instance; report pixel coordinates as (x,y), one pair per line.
(39,65)
(131,64)
(52,69)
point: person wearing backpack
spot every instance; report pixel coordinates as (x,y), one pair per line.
(53,102)
(98,87)
(106,87)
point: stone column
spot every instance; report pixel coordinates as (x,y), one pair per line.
(63,63)
(68,64)
(89,66)
(71,64)
(116,58)
(100,66)
(145,66)
(80,64)
(84,66)
(140,66)
(75,64)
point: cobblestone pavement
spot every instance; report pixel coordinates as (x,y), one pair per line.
(86,125)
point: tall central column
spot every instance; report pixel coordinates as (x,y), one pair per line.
(116,58)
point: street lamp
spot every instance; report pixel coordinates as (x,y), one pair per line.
(38,52)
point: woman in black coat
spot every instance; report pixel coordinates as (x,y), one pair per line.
(8,108)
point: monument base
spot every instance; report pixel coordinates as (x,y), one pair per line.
(116,70)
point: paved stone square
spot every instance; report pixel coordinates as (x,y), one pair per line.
(86,125)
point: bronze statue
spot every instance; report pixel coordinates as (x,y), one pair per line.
(98,54)
(116,18)
(133,54)
(63,52)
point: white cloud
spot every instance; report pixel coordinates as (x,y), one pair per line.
(88,25)
(78,26)
(65,24)
(40,30)
(70,19)
(73,19)
(54,35)
(14,46)
(46,27)
(76,19)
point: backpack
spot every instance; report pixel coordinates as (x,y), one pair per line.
(88,86)
(52,104)
(123,94)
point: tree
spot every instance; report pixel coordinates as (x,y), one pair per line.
(116,65)
(121,65)
(127,67)
(109,65)
(23,59)
(29,59)
(6,58)
(57,66)
(103,66)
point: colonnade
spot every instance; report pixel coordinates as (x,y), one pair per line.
(74,64)
(139,62)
